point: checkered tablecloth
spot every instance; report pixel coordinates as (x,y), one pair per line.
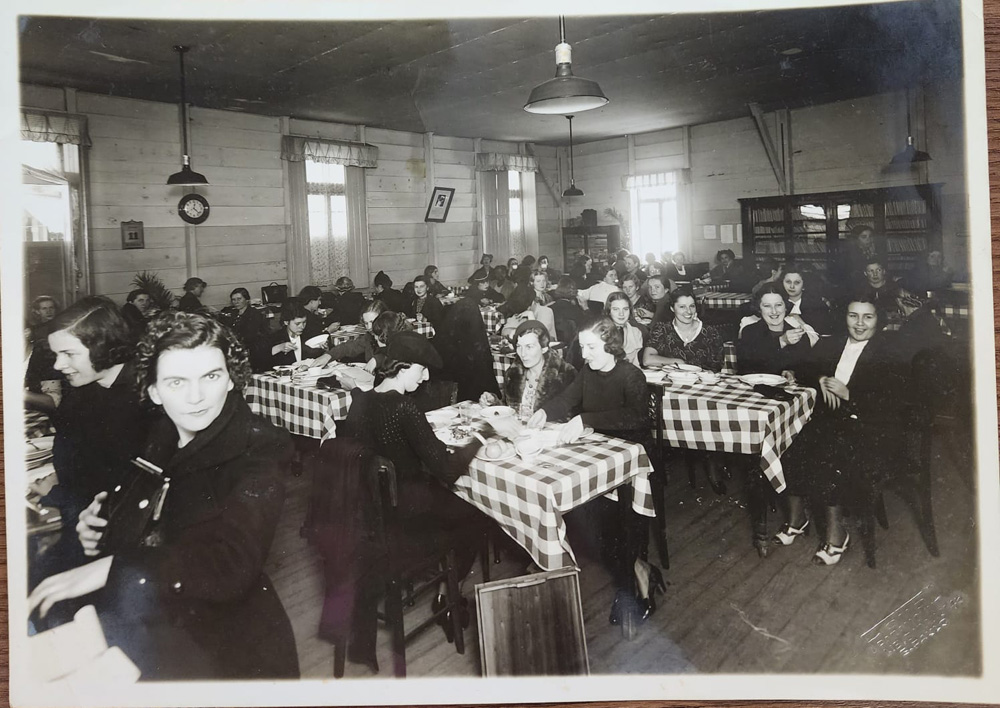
(528,499)
(501,362)
(731,417)
(345,334)
(491,318)
(301,410)
(719,287)
(425,328)
(725,300)
(955,311)
(729,358)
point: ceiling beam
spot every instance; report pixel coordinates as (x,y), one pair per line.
(777,165)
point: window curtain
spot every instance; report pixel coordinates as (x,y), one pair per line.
(298,149)
(496,215)
(658,179)
(62,128)
(505,162)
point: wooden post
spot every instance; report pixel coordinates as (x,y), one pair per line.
(772,154)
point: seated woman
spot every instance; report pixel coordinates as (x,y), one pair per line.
(595,297)
(610,395)
(566,311)
(685,339)
(501,283)
(310,298)
(464,345)
(633,288)
(99,424)
(582,271)
(551,273)
(776,343)
(249,325)
(423,305)
(619,310)
(191,601)
(851,439)
(434,285)
(652,302)
(540,285)
(194,288)
(137,307)
(524,270)
(287,344)
(361,348)
(769,272)
(804,301)
(389,422)
(522,306)
(349,304)
(537,374)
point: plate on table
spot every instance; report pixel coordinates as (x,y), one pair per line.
(317,342)
(455,435)
(683,377)
(766,379)
(687,368)
(508,451)
(491,412)
(441,416)
(654,376)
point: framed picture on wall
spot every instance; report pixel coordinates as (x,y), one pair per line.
(132,235)
(440,204)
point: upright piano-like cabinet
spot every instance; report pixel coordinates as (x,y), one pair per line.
(814,228)
(596,241)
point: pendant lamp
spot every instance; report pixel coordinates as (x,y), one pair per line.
(565,93)
(909,155)
(573,190)
(186,175)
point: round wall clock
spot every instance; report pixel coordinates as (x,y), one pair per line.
(193,208)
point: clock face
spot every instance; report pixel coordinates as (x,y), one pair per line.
(193,208)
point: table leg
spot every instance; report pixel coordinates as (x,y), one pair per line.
(759,490)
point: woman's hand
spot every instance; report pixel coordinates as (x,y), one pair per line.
(789,375)
(572,431)
(419,317)
(282,348)
(791,336)
(537,420)
(370,365)
(834,391)
(70,584)
(90,526)
(643,313)
(332,327)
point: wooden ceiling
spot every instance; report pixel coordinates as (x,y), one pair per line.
(472,77)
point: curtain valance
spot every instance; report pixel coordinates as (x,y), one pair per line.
(298,149)
(62,128)
(658,179)
(505,162)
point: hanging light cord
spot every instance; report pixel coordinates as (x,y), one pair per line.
(184,132)
(572,176)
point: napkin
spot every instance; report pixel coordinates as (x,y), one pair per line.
(773,392)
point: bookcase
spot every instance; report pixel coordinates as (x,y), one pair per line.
(814,228)
(596,241)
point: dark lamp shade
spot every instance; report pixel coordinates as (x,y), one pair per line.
(909,155)
(565,94)
(573,191)
(187,176)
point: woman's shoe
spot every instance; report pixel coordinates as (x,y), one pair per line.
(646,606)
(615,617)
(788,533)
(443,619)
(828,554)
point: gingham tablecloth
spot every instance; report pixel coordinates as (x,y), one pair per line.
(719,287)
(729,358)
(491,318)
(731,417)
(955,311)
(345,334)
(528,499)
(725,300)
(301,410)
(501,362)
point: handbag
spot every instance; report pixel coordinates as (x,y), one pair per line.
(274,294)
(132,506)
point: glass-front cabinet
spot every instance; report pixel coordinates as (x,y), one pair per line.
(815,228)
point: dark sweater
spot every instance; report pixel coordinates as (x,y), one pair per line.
(615,402)
(758,350)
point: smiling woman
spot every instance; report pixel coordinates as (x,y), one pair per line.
(191,600)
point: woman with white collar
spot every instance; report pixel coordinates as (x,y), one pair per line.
(619,310)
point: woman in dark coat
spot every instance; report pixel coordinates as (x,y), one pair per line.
(135,311)
(424,305)
(191,600)
(852,436)
(465,350)
(805,301)
(566,311)
(288,343)
(250,327)
(775,344)
(537,375)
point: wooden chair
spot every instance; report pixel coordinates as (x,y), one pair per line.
(351,519)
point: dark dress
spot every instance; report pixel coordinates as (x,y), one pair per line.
(431,309)
(465,350)
(348,308)
(704,351)
(758,350)
(394,300)
(42,361)
(135,320)
(189,302)
(194,602)
(360,349)
(569,318)
(436,288)
(315,324)
(840,453)
(252,329)
(285,358)
(814,312)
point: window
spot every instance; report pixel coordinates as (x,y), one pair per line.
(518,247)
(326,200)
(52,218)
(654,202)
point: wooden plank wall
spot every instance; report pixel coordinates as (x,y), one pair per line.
(549,206)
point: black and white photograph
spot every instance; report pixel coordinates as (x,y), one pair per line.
(402,355)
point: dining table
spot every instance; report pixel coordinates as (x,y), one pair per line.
(300,408)
(723,300)
(730,416)
(528,497)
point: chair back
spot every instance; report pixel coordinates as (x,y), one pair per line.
(436,393)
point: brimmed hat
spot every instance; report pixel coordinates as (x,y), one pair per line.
(414,349)
(480,276)
(382,279)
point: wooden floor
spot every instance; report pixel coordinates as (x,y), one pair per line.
(726,610)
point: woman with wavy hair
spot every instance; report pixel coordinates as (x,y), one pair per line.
(190,599)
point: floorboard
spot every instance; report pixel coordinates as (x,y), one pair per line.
(726,610)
